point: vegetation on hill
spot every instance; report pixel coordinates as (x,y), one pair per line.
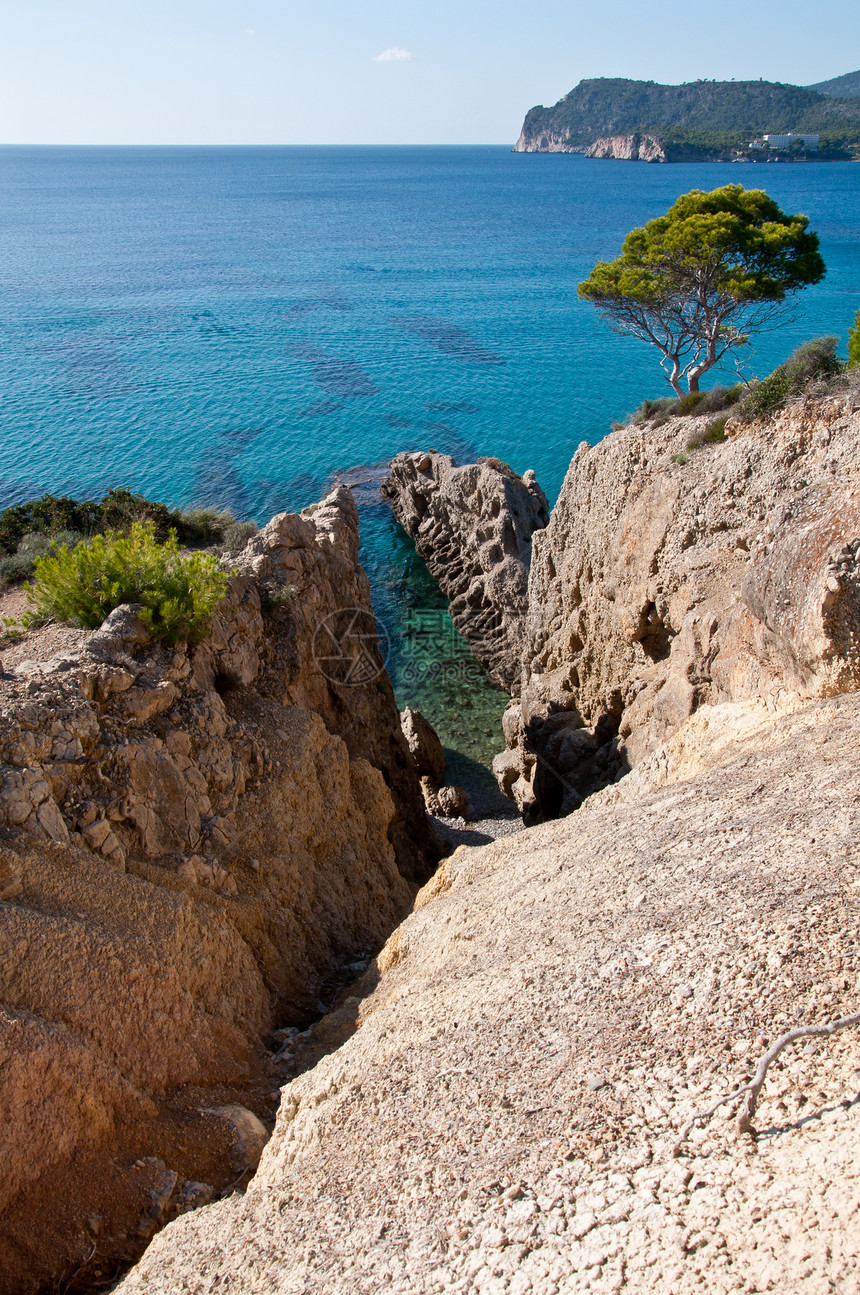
(812,369)
(700,116)
(815,363)
(29,530)
(698,281)
(840,87)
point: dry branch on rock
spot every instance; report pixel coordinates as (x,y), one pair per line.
(748,1094)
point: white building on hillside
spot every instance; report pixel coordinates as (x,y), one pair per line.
(786,141)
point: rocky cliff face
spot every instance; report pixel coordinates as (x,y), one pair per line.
(545,141)
(534,1035)
(661,585)
(191,842)
(628,148)
(473,525)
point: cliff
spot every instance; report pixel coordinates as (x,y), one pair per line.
(700,118)
(669,578)
(474,526)
(494,1104)
(192,843)
(628,148)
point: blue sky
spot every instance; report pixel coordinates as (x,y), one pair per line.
(456,71)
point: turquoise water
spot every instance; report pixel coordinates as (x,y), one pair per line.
(235,325)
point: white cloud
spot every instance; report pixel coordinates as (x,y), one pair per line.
(250,31)
(393,55)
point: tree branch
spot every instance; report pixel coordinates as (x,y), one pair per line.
(749,1092)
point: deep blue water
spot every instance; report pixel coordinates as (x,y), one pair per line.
(234,325)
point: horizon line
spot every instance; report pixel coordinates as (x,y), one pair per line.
(192,144)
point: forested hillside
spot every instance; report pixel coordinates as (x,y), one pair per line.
(701,114)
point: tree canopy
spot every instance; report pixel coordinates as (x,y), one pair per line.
(697,282)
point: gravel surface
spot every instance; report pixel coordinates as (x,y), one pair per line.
(479,831)
(38,645)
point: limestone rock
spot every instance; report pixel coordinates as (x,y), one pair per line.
(629,148)
(473,525)
(159,1196)
(503,1116)
(191,1196)
(445,802)
(328,660)
(661,586)
(249,1135)
(424,745)
(11,883)
(190,851)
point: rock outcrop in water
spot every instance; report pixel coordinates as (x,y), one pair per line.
(428,757)
(473,525)
(191,843)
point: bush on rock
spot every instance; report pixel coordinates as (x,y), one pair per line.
(178,593)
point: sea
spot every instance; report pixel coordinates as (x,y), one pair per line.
(242,326)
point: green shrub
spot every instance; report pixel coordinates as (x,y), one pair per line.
(695,402)
(716,431)
(15,568)
(854,343)
(687,404)
(661,409)
(120,509)
(719,398)
(711,434)
(814,362)
(236,535)
(45,516)
(11,631)
(34,544)
(276,593)
(83,585)
(205,526)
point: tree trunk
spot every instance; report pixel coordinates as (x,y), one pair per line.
(674,376)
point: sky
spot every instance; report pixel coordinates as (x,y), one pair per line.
(373,71)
